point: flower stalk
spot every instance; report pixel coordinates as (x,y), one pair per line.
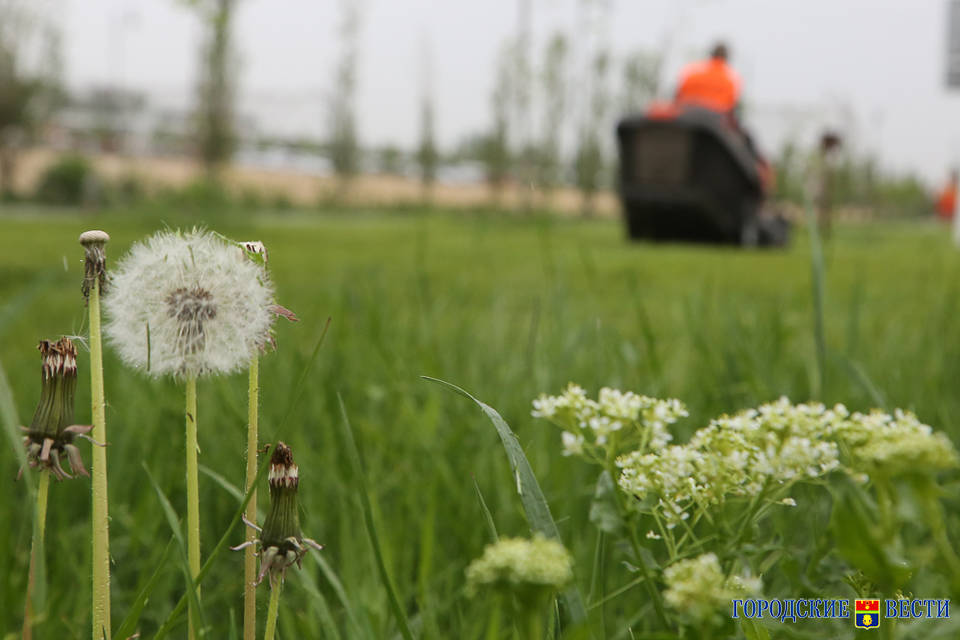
(49,437)
(36,549)
(256,252)
(193,492)
(93,283)
(281,542)
(273,611)
(249,559)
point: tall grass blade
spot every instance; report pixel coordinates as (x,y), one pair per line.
(357,464)
(298,388)
(330,629)
(494,536)
(338,589)
(11,426)
(221,545)
(129,624)
(534,503)
(818,278)
(174,523)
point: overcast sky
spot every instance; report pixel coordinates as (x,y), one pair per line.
(875,67)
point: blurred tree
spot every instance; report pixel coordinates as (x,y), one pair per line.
(641,80)
(554,86)
(495,146)
(390,160)
(524,145)
(216,90)
(428,158)
(589,164)
(29,79)
(343,145)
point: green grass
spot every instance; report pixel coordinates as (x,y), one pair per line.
(504,308)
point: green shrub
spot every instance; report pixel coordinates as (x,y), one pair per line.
(71,180)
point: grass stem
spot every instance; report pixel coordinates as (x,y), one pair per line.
(249,559)
(100,514)
(273,610)
(36,550)
(193,491)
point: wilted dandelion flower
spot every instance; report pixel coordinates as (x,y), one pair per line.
(188,304)
(281,542)
(698,588)
(51,432)
(520,565)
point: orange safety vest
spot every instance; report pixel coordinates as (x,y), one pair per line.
(947,202)
(711,84)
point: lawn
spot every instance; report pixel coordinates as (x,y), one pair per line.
(506,308)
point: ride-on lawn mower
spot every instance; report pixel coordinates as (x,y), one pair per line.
(688,174)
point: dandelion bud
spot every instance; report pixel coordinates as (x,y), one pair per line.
(94,270)
(51,432)
(283,521)
(281,541)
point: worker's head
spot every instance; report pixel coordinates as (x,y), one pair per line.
(720,51)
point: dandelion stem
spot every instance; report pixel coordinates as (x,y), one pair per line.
(193,493)
(249,559)
(36,548)
(273,610)
(100,517)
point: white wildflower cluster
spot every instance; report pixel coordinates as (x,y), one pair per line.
(589,426)
(698,588)
(892,445)
(188,303)
(518,564)
(774,446)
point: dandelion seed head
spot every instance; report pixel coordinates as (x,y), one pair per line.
(188,303)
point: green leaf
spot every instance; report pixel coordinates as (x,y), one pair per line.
(11,426)
(531,496)
(753,630)
(860,541)
(494,536)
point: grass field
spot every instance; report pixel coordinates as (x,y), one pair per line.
(503,307)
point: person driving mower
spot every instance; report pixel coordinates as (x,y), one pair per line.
(711,83)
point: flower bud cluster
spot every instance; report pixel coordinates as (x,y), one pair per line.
(776,445)
(616,420)
(698,588)
(518,565)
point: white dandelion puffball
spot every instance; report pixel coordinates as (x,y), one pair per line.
(188,304)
